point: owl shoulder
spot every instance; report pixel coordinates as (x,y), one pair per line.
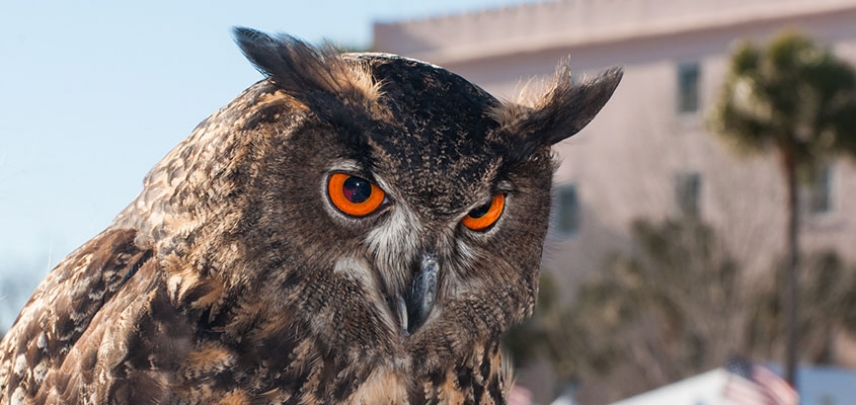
(63,336)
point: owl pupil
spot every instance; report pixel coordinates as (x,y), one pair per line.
(357,190)
(479,212)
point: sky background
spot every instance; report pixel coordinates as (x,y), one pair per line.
(94,93)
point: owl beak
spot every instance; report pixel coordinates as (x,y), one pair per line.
(416,305)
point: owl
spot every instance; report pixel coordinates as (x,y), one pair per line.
(356,228)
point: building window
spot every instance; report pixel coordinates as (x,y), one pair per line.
(819,200)
(567,210)
(688,79)
(687,192)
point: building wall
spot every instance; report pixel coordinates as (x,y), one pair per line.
(625,162)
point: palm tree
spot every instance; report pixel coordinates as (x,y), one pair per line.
(797,100)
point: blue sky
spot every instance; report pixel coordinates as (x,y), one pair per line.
(94,93)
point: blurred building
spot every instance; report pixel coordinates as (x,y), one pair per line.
(648,154)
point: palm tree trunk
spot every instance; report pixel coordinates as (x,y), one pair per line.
(792,251)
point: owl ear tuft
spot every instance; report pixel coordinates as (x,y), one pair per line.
(557,114)
(306,72)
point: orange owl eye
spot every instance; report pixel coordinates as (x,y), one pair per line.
(354,196)
(483,217)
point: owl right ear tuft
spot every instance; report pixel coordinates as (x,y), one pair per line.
(556,114)
(306,72)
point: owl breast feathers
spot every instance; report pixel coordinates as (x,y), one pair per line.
(354,228)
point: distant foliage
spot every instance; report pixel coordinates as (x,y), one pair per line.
(677,305)
(793,97)
(663,312)
(828,307)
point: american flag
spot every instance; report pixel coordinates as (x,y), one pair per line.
(754,384)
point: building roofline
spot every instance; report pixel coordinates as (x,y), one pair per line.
(463,52)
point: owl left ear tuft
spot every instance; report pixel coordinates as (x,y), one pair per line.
(560,112)
(305,72)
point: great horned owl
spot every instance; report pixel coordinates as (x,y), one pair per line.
(354,228)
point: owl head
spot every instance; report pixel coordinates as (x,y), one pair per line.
(361,208)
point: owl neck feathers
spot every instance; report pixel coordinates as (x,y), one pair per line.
(305,367)
(313,362)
